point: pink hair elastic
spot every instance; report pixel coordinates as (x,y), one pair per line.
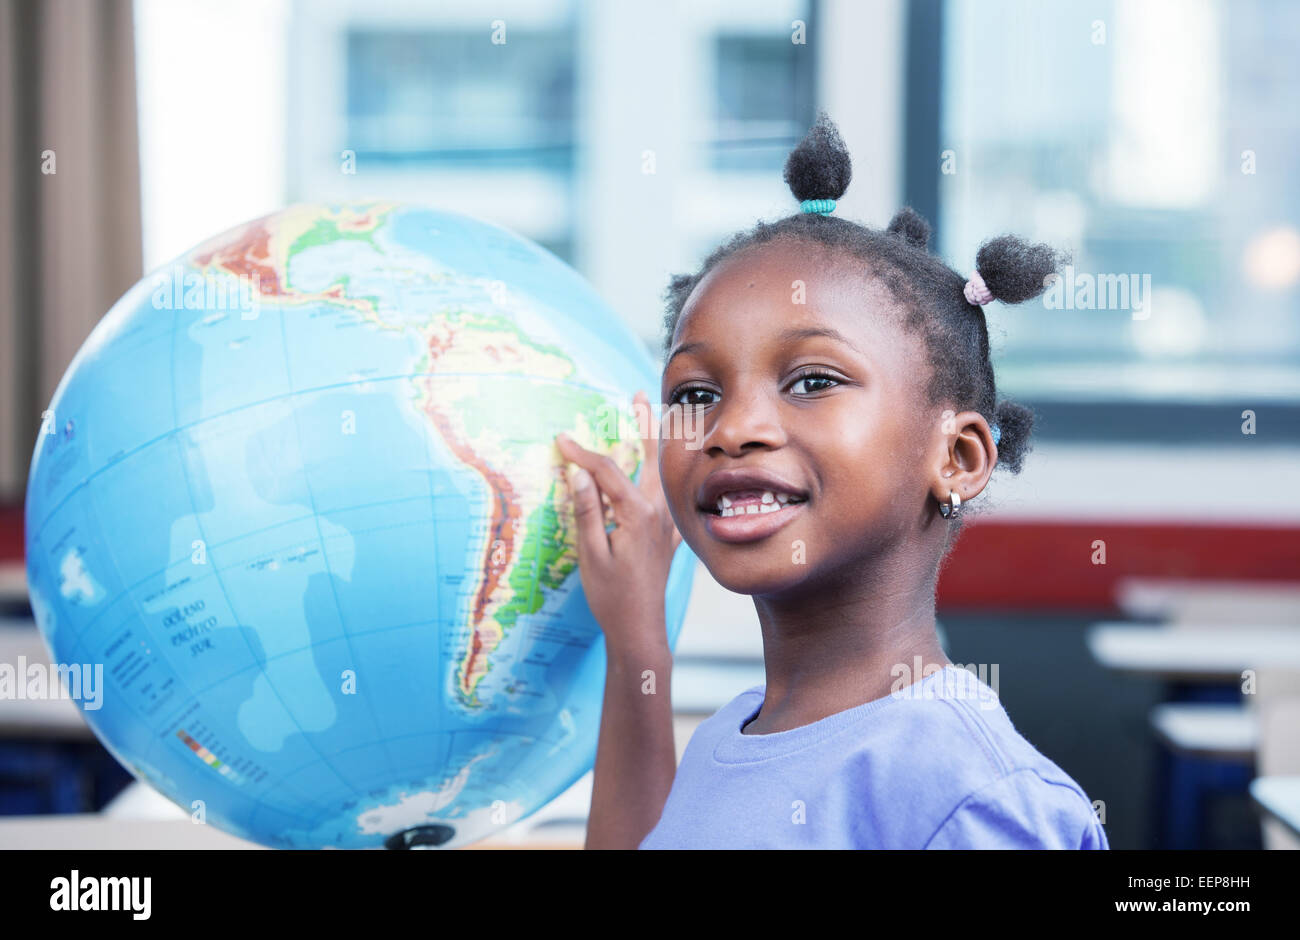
(977,291)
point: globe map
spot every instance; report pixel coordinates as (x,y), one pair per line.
(298,495)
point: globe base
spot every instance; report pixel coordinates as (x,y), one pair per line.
(418,837)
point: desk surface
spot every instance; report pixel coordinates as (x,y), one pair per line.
(1218,729)
(93,831)
(1280,797)
(1206,654)
(1204,601)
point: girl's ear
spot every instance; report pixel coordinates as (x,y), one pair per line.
(966,460)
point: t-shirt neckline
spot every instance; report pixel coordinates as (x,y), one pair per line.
(735,747)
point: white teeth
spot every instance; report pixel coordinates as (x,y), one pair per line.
(771,502)
(752,509)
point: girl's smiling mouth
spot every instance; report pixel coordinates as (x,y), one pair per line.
(751,525)
(744,505)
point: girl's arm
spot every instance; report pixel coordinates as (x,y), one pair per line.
(624,575)
(636,757)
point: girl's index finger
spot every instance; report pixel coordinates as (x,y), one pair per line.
(649,429)
(650,482)
(609,476)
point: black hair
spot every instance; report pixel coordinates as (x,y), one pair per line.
(929,291)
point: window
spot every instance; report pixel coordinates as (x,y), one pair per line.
(446,104)
(1157,141)
(451,97)
(764,99)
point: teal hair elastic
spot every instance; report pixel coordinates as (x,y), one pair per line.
(820,206)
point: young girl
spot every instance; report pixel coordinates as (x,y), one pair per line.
(846,414)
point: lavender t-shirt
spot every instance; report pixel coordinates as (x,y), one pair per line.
(934,765)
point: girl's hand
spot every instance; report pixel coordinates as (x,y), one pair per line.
(624,572)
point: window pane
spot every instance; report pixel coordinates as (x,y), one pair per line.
(1157,141)
(764,99)
(452,97)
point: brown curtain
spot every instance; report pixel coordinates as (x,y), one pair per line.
(69,240)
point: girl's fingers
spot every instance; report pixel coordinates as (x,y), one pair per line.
(589,517)
(613,483)
(650,483)
(649,447)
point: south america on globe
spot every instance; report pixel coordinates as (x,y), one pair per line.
(298,494)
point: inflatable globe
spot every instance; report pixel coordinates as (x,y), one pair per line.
(298,496)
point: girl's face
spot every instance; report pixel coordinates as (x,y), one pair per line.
(847,446)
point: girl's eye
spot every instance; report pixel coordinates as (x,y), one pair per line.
(815,375)
(811,376)
(691,390)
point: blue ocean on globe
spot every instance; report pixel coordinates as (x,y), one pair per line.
(298,495)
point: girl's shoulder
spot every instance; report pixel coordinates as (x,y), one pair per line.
(968,714)
(1022,810)
(993,775)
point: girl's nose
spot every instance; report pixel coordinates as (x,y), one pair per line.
(743,419)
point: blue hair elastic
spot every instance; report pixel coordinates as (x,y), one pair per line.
(820,206)
(997,434)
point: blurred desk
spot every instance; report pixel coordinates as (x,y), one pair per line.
(93,831)
(1280,798)
(1203,664)
(1199,601)
(1198,654)
(1215,730)
(561,824)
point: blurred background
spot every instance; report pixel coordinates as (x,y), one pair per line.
(1137,587)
